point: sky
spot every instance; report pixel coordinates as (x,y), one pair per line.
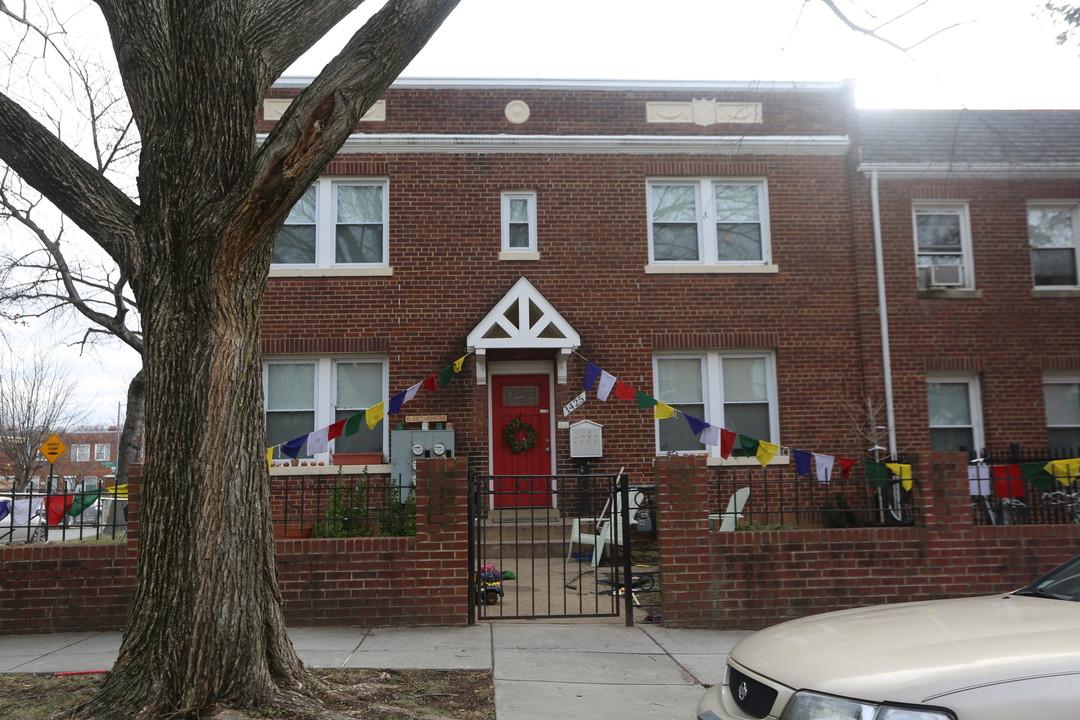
(974,54)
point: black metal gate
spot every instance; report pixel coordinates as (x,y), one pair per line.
(549,547)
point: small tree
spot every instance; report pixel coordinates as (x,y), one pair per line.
(35,401)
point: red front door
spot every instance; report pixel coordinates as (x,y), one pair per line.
(521,439)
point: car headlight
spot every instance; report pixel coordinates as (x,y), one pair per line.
(814,706)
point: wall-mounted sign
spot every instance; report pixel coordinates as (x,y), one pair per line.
(573,404)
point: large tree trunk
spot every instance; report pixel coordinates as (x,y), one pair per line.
(206,626)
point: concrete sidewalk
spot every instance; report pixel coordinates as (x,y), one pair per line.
(594,670)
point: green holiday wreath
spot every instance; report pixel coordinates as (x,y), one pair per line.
(510,436)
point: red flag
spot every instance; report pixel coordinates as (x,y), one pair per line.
(336,430)
(56,506)
(1008,481)
(624,391)
(845,466)
(431,383)
(727,442)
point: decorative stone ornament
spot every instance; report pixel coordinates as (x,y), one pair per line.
(517,111)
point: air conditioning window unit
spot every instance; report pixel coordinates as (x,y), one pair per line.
(946,275)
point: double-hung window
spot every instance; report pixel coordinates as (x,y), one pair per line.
(101,452)
(519,222)
(1054,236)
(733,390)
(1062,398)
(337,223)
(306,394)
(955,412)
(80,452)
(708,222)
(943,246)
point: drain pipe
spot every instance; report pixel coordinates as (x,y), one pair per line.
(883,313)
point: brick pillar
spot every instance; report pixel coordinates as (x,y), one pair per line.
(942,492)
(687,572)
(441,579)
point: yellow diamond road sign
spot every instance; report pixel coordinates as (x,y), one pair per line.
(53,448)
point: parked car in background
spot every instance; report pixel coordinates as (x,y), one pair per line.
(999,657)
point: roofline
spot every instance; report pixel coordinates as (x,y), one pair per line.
(972,171)
(802,145)
(300,82)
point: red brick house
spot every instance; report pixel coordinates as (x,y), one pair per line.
(711,246)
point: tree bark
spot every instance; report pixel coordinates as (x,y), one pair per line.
(131,435)
(206,626)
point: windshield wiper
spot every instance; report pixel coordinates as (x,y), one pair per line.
(1043,594)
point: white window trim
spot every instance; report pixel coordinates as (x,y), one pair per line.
(713,392)
(942,207)
(530,197)
(1074,206)
(80,452)
(325,382)
(706,231)
(325,224)
(974,403)
(102,452)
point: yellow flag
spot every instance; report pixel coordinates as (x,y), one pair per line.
(906,484)
(1064,471)
(269,457)
(459,363)
(374,414)
(900,470)
(766,451)
(662,411)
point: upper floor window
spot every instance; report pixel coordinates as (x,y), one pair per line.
(1053,232)
(80,452)
(101,452)
(519,222)
(943,246)
(306,394)
(732,390)
(955,413)
(1062,396)
(708,222)
(336,223)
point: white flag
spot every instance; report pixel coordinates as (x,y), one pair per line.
(607,381)
(979,480)
(824,465)
(710,435)
(317,442)
(411,392)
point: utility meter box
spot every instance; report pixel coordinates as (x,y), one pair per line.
(586,439)
(408,445)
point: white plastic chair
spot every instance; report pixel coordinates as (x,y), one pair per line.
(607,528)
(733,513)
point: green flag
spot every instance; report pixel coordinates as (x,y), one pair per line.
(877,474)
(644,401)
(446,375)
(354,423)
(82,501)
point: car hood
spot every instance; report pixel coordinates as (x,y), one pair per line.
(917,652)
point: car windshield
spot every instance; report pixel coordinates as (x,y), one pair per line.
(1062,583)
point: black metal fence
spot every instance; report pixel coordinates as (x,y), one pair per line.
(37,517)
(342,506)
(1011,485)
(776,497)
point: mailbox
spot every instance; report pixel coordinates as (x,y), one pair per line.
(586,439)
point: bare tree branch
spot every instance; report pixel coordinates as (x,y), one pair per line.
(71,183)
(273,28)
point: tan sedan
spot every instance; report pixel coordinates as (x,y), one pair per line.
(1002,657)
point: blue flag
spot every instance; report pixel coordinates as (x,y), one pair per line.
(292,448)
(696,425)
(802,462)
(592,374)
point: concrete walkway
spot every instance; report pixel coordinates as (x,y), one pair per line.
(594,670)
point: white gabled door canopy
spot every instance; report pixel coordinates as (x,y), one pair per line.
(523,318)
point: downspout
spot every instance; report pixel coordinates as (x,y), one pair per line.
(883,313)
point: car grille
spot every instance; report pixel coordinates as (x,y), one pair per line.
(753,698)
